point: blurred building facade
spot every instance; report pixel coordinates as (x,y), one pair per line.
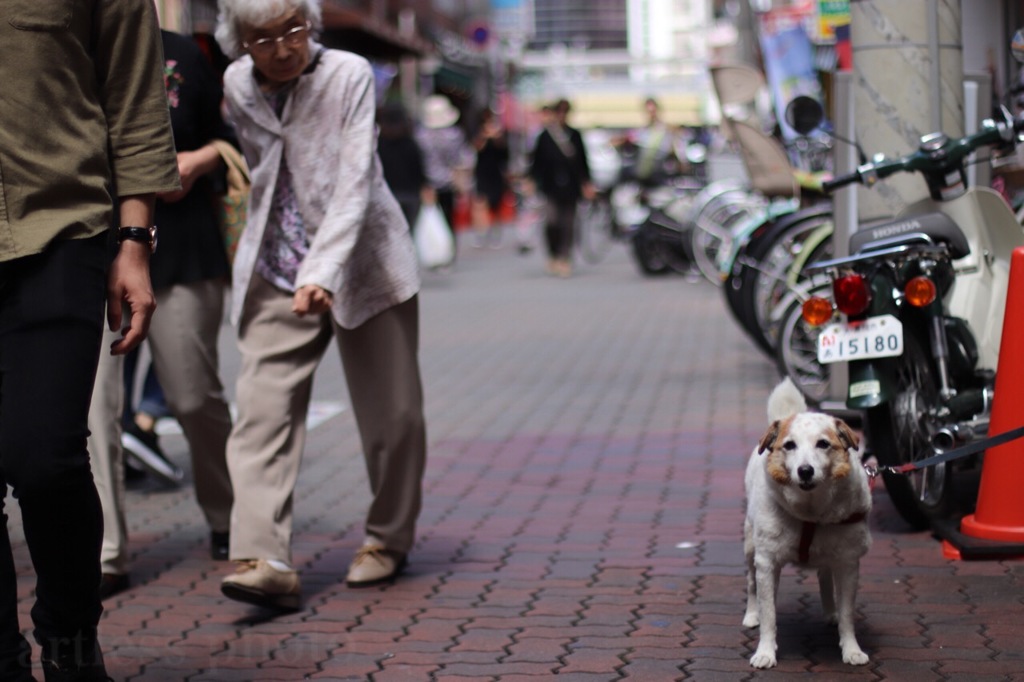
(608,56)
(417,47)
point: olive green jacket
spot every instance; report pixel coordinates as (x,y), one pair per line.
(83,117)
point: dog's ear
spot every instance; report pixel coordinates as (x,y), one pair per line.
(768,439)
(846,435)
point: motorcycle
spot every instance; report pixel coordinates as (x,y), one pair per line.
(661,241)
(922,300)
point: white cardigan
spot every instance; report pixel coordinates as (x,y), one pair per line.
(360,247)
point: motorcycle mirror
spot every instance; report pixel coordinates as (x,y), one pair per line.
(804,114)
(1017,45)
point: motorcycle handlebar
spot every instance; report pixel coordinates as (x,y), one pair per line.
(993,133)
(835,183)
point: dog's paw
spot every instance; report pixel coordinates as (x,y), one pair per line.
(763,659)
(854,656)
(751,619)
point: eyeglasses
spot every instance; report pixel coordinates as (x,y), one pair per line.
(293,37)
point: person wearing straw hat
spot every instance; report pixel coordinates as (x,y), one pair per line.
(445,150)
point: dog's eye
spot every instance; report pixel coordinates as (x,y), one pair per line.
(823,444)
(789,445)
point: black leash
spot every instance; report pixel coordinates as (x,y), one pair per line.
(956,453)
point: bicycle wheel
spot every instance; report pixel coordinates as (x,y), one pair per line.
(797,348)
(595,228)
(712,234)
(765,273)
(780,270)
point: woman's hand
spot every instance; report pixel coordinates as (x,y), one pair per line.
(311,300)
(191,167)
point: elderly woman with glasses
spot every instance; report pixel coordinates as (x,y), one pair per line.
(326,254)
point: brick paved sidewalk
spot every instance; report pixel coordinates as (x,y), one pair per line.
(583,518)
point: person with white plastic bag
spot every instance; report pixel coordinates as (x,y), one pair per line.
(435,245)
(447,156)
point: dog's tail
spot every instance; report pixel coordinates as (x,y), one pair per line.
(785,401)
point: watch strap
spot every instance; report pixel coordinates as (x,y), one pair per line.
(145,235)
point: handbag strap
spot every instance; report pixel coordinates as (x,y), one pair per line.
(238,170)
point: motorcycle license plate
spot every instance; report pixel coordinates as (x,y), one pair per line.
(875,337)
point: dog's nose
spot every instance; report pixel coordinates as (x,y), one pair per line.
(805,472)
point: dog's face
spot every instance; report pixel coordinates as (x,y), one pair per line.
(808,449)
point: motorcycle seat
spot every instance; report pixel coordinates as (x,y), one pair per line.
(938,227)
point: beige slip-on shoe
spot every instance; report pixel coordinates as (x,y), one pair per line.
(373,564)
(259,583)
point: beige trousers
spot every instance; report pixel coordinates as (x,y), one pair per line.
(280,352)
(183,342)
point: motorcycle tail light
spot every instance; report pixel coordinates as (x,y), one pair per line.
(852,294)
(816,311)
(920,291)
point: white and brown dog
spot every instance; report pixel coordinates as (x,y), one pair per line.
(807,503)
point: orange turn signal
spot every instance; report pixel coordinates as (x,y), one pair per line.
(920,291)
(817,311)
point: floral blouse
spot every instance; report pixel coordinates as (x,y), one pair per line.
(285,241)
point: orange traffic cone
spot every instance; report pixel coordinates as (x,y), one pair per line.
(999,514)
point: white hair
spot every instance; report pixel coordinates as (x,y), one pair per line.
(232,15)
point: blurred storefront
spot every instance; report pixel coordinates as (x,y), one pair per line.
(416,46)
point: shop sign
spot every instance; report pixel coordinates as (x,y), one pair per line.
(832,13)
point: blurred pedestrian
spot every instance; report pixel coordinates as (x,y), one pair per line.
(83,114)
(559,167)
(326,254)
(490,176)
(142,417)
(401,159)
(656,159)
(189,276)
(445,152)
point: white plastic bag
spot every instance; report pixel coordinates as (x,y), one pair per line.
(434,243)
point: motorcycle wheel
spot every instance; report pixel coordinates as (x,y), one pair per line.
(658,250)
(797,349)
(899,433)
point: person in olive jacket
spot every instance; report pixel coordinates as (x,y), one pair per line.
(83,118)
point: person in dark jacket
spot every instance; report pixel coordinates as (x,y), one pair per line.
(401,159)
(189,275)
(490,176)
(562,175)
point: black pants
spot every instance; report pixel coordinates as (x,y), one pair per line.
(560,229)
(446,200)
(51,323)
